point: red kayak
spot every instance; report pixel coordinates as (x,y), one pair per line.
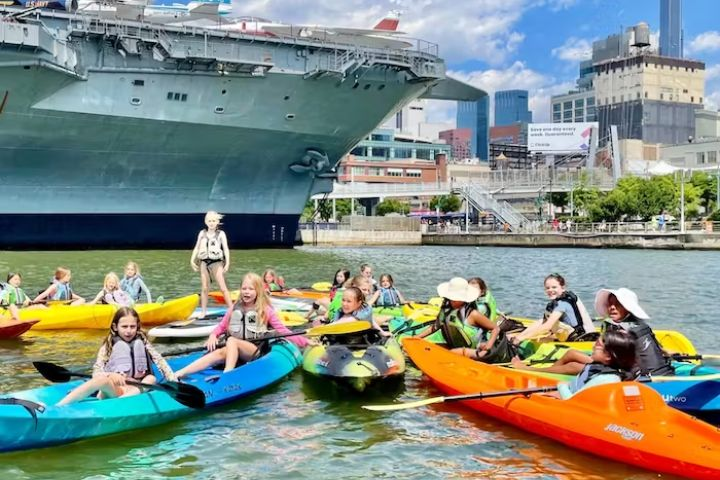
(13,329)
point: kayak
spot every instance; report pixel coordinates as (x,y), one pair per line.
(100,316)
(94,418)
(695,392)
(359,360)
(280,303)
(203,328)
(627,422)
(210,312)
(13,329)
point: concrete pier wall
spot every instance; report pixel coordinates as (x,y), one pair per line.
(341,238)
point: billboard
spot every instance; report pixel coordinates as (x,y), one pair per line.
(560,137)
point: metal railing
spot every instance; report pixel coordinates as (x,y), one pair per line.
(482,199)
(542,178)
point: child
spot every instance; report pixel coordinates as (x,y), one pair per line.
(387,295)
(12,297)
(60,289)
(111,294)
(271,282)
(212,252)
(249,317)
(367,272)
(125,353)
(133,283)
(486,302)
(341,276)
(354,308)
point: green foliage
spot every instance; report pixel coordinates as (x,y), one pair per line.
(390,205)
(324,213)
(715,216)
(706,185)
(559,199)
(446,203)
(583,197)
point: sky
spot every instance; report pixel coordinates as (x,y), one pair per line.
(511,44)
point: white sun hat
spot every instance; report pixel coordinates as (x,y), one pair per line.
(458,289)
(627,299)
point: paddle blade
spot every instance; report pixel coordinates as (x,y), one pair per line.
(340,328)
(404,406)
(54,373)
(322,286)
(188,395)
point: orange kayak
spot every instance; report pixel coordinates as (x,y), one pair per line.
(13,329)
(627,422)
(217,296)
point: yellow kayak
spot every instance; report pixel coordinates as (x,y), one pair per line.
(61,317)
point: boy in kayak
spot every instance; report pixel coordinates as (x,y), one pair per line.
(250,318)
(125,353)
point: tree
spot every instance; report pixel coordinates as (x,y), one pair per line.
(558,199)
(390,205)
(706,188)
(446,203)
(583,197)
(324,212)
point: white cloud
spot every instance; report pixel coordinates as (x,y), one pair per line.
(573,50)
(464,30)
(705,42)
(712,72)
(712,100)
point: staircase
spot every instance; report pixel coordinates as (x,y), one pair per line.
(482,199)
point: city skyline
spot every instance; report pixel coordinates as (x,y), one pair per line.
(533,45)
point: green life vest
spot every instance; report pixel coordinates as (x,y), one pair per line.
(454,330)
(335,304)
(13,296)
(487,306)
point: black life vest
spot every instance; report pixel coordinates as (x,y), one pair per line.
(649,352)
(571,298)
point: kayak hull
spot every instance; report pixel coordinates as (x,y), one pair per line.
(626,422)
(12,329)
(61,317)
(203,328)
(93,418)
(357,367)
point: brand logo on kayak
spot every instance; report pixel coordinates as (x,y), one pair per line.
(673,399)
(624,432)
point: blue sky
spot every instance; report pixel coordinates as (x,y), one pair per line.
(505,44)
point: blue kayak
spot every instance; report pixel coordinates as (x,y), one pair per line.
(690,393)
(93,418)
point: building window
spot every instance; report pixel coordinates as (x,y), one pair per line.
(375,171)
(590,101)
(567,106)
(556,107)
(183,98)
(139,83)
(685,90)
(712,157)
(358,170)
(394,172)
(638,94)
(579,112)
(692,99)
(579,103)
(413,173)
(700,158)
(662,96)
(700,100)
(646,94)
(557,117)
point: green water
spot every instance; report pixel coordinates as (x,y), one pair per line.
(306,429)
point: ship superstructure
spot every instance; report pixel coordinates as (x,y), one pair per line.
(122,133)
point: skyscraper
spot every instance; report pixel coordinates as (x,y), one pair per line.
(476,116)
(511,106)
(671,28)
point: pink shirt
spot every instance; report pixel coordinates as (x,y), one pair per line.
(273,321)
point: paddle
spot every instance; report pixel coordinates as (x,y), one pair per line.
(470,396)
(331,329)
(679,357)
(188,395)
(321,286)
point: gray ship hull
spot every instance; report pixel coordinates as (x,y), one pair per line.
(121,145)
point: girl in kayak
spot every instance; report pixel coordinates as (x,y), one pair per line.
(387,295)
(341,276)
(211,256)
(354,308)
(271,282)
(133,284)
(464,329)
(612,360)
(564,313)
(486,302)
(60,289)
(125,353)
(251,316)
(111,294)
(321,306)
(12,297)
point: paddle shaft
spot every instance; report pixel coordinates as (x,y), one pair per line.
(480,395)
(679,356)
(220,345)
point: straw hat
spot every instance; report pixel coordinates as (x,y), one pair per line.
(458,289)
(627,299)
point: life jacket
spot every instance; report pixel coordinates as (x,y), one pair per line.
(389,297)
(582,317)
(130,358)
(13,295)
(130,286)
(364,313)
(649,352)
(335,304)
(592,370)
(118,297)
(487,305)
(63,291)
(273,287)
(246,325)
(210,248)
(451,322)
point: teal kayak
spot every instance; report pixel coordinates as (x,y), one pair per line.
(53,425)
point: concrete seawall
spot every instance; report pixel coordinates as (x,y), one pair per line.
(662,241)
(347,238)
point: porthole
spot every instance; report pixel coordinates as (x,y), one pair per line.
(224,92)
(366,87)
(135,101)
(290,116)
(380,87)
(286,97)
(219,109)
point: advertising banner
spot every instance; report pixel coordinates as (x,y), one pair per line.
(560,137)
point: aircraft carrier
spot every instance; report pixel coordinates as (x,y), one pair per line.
(117,132)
